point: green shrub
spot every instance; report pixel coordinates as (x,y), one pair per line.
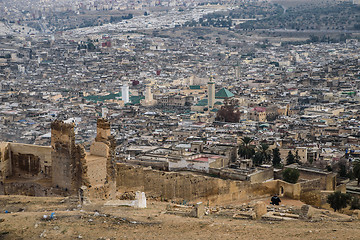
(291,175)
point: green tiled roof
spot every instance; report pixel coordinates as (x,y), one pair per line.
(99,98)
(218,103)
(224,93)
(136,99)
(195,87)
(202,102)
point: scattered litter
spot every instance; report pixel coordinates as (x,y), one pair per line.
(43,234)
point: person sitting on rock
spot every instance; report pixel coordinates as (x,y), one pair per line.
(275,200)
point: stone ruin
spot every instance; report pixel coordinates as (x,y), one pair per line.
(62,169)
(138,202)
(68,159)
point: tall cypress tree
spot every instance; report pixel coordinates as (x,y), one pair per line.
(276,160)
(290,159)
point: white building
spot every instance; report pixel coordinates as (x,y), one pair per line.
(125,93)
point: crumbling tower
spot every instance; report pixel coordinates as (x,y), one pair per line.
(68,159)
(104,146)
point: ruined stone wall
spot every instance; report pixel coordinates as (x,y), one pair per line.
(154,165)
(30,160)
(262,175)
(103,130)
(96,170)
(5,162)
(24,160)
(284,188)
(341,188)
(311,185)
(29,189)
(327,181)
(99,149)
(68,159)
(63,148)
(310,192)
(104,148)
(312,198)
(184,186)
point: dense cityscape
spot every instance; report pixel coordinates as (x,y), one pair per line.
(240,91)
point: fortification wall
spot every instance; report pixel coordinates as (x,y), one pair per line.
(68,159)
(30,160)
(312,198)
(99,149)
(284,188)
(5,162)
(103,130)
(262,175)
(96,169)
(184,186)
(63,147)
(327,181)
(29,189)
(311,185)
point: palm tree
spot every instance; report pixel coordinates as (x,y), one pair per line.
(263,150)
(246,150)
(356,170)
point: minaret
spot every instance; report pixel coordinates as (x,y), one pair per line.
(149,100)
(237,72)
(125,93)
(148,94)
(211,93)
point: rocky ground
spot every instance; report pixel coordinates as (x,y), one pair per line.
(23,218)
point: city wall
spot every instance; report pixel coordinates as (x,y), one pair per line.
(262,175)
(185,186)
(24,160)
(30,160)
(61,168)
(63,150)
(29,189)
(256,177)
(327,180)
(5,162)
(284,188)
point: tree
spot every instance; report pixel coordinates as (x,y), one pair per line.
(355,203)
(311,160)
(246,150)
(91,46)
(297,157)
(338,200)
(290,159)
(229,112)
(342,169)
(257,159)
(291,175)
(356,170)
(264,152)
(276,159)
